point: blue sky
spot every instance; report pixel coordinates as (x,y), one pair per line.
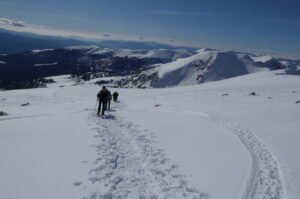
(233,24)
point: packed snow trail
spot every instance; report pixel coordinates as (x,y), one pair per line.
(265,178)
(129,165)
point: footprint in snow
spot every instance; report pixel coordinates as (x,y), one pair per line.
(76,184)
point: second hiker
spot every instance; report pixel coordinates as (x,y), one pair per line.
(115,96)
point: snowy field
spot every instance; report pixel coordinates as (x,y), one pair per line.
(215,140)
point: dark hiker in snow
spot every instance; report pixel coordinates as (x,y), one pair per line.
(115,96)
(103,98)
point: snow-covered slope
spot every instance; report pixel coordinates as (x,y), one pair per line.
(157,53)
(214,140)
(207,65)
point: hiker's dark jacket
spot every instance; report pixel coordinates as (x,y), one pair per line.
(104,95)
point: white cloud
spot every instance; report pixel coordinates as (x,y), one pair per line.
(12,22)
(19,23)
(4,21)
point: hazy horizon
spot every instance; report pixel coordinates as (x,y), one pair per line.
(270,26)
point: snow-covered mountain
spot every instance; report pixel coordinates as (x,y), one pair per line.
(139,68)
(21,70)
(164,54)
(207,65)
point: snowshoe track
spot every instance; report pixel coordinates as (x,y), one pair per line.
(265,178)
(129,165)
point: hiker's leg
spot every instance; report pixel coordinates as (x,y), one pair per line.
(99,107)
(104,107)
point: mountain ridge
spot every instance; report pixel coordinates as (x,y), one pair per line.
(154,68)
(208,65)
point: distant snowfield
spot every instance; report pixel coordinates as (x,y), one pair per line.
(2,62)
(48,64)
(156,53)
(208,141)
(41,50)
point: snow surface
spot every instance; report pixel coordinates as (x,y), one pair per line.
(204,66)
(101,51)
(41,50)
(82,47)
(217,60)
(263,59)
(207,141)
(156,53)
(49,64)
